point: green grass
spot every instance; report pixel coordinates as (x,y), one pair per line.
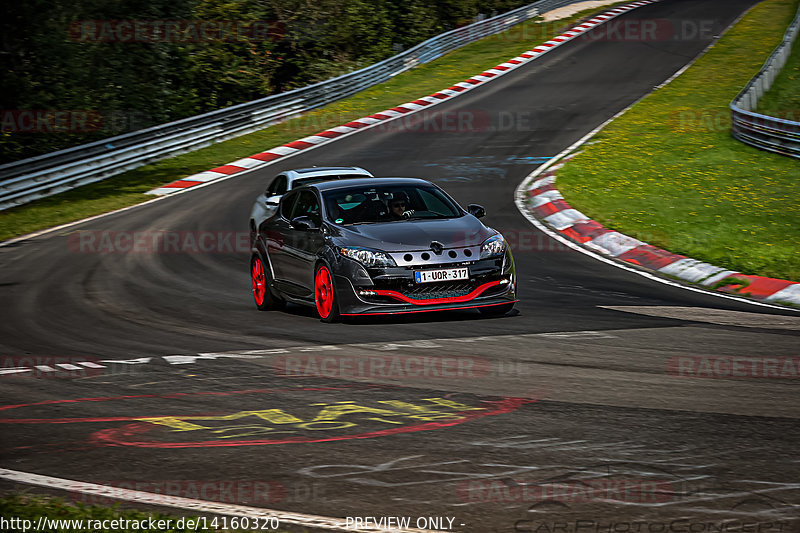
(783,98)
(668,172)
(31,507)
(128,188)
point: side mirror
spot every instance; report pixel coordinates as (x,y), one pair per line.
(476,210)
(272,201)
(303,223)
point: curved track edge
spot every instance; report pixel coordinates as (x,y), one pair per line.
(189,504)
(540,202)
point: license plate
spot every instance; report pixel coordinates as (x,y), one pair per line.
(448,274)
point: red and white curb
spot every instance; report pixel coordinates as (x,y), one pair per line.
(542,199)
(408,108)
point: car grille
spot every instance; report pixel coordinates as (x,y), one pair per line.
(430,291)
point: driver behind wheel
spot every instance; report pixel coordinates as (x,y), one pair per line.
(398,206)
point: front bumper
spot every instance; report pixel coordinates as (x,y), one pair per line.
(393,290)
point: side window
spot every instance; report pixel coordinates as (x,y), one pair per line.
(278,186)
(286,205)
(281,188)
(307,206)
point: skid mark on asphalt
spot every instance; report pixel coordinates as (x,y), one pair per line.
(607,476)
(551,284)
(525,442)
(481,168)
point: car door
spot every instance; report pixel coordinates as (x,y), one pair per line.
(276,233)
(302,245)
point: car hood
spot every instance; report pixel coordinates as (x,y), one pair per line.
(408,235)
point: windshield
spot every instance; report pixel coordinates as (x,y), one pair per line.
(387,203)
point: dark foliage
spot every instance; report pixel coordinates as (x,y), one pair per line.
(75,71)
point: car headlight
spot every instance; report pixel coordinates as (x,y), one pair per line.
(493,246)
(367,257)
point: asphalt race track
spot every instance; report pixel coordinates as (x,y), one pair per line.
(564,416)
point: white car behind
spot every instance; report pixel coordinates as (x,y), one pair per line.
(267,202)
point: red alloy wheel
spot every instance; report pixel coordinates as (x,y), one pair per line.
(323,292)
(259,281)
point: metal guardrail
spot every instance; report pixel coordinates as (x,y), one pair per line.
(48,174)
(763,131)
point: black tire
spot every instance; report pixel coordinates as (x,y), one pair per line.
(496,310)
(260,280)
(326,302)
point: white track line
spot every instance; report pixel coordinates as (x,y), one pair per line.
(190,504)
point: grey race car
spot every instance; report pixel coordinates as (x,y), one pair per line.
(379,246)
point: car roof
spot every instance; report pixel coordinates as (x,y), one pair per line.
(319,169)
(299,173)
(341,184)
